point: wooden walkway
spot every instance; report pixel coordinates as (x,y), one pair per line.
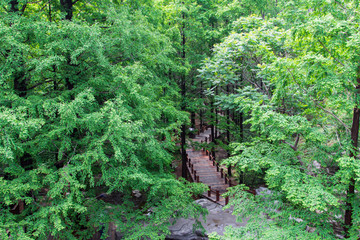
(204,169)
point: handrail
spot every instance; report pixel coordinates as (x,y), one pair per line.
(196,178)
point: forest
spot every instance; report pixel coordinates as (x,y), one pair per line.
(99,100)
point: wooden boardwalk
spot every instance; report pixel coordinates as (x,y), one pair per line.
(207,171)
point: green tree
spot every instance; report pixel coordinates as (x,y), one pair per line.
(299,79)
(87,108)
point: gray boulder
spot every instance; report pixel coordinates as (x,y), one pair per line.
(216,221)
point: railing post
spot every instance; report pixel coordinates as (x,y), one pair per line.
(209,156)
(229,171)
(226,200)
(226,180)
(213,162)
(207,152)
(217,195)
(206,139)
(217,167)
(197,179)
(209,191)
(222,174)
(229,182)
(192,168)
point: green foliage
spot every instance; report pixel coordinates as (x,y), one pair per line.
(87,108)
(296,75)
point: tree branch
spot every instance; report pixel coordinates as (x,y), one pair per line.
(36,85)
(317,104)
(295,146)
(331,53)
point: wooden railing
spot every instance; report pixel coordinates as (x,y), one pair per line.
(196,178)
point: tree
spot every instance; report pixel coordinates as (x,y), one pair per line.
(298,72)
(87,109)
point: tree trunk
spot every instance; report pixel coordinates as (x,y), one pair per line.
(212,126)
(351,188)
(201,111)
(183,104)
(241,121)
(193,125)
(67,6)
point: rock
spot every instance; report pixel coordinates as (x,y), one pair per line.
(316,164)
(183,230)
(136,193)
(263,191)
(299,220)
(310,229)
(340,236)
(216,221)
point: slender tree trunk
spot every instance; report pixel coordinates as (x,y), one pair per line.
(183,104)
(216,117)
(50,17)
(241,122)
(67,6)
(192,116)
(351,188)
(212,126)
(228,129)
(201,112)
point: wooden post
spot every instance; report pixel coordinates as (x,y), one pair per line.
(229,182)
(217,195)
(226,180)
(192,168)
(226,200)
(217,167)
(213,162)
(222,174)
(112,229)
(197,179)
(206,139)
(209,156)
(209,191)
